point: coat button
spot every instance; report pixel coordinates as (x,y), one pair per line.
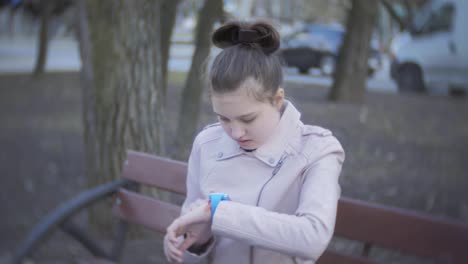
(220,155)
(271,160)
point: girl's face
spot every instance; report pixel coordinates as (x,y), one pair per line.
(245,119)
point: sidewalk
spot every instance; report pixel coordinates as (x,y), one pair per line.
(19,54)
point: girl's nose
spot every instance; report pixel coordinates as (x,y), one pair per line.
(237,132)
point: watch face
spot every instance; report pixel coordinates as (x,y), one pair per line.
(222,196)
(215,199)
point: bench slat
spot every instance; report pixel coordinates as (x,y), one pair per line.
(143,210)
(331,257)
(156,171)
(401,229)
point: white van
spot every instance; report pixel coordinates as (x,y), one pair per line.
(435,53)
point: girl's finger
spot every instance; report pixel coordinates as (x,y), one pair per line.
(173,252)
(170,255)
(172,231)
(172,238)
(187,243)
(166,254)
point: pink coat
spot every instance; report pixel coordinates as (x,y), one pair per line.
(284,194)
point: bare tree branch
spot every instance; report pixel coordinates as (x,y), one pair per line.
(410,13)
(389,7)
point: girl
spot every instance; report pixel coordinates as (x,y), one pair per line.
(262,187)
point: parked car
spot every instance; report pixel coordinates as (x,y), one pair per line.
(435,52)
(317,46)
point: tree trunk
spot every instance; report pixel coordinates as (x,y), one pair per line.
(168,17)
(43,37)
(191,96)
(120,44)
(349,84)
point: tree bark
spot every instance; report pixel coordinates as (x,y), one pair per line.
(120,44)
(410,14)
(352,65)
(43,37)
(402,23)
(168,17)
(191,96)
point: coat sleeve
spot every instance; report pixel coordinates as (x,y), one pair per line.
(194,193)
(305,234)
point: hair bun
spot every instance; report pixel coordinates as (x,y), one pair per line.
(260,34)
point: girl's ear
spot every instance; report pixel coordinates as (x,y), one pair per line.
(279,98)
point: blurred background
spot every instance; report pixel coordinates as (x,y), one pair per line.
(83,81)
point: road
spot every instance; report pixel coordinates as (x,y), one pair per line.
(19,54)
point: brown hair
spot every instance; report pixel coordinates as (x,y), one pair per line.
(248,51)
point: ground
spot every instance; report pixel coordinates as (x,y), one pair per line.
(402,150)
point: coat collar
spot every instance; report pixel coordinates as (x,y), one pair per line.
(271,152)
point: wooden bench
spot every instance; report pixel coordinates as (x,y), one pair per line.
(442,240)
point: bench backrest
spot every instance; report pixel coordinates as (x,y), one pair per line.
(374,225)
(154,171)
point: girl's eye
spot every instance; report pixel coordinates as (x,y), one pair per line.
(249,120)
(223,119)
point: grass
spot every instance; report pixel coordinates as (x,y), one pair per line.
(177,78)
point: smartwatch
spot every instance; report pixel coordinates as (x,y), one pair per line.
(215,198)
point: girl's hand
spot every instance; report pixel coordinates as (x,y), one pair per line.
(206,232)
(195,224)
(171,251)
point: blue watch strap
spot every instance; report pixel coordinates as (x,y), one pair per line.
(215,199)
